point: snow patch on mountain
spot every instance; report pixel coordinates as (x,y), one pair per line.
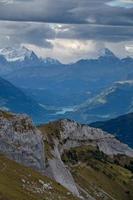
(22,54)
(106,53)
(15,54)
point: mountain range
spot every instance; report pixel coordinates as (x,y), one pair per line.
(88,90)
(12,59)
(25,57)
(53,83)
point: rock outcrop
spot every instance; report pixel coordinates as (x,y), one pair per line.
(57,170)
(75,134)
(66,134)
(21,141)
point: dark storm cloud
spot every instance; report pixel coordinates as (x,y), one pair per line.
(66,11)
(84,19)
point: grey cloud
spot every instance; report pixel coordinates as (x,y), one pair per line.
(13,33)
(100,33)
(67,11)
(82,19)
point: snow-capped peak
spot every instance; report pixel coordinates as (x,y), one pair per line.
(12,54)
(106,53)
(21,54)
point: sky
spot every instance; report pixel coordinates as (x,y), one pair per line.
(68,30)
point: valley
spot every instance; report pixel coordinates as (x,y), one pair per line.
(50,90)
(92,87)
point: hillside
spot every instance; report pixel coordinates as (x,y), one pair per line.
(15,100)
(21,183)
(112,102)
(97,176)
(121,126)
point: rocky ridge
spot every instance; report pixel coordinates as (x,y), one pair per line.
(76,134)
(42,149)
(66,134)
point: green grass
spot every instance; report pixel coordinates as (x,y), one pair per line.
(21,183)
(99,176)
(50,132)
(105,182)
(7,115)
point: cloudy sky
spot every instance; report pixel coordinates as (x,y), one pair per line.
(68,29)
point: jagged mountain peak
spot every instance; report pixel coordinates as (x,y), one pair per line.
(23,54)
(103,54)
(107,53)
(13,54)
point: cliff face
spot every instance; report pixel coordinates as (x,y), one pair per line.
(75,134)
(21,141)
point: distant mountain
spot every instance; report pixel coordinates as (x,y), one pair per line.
(121,126)
(13,99)
(105,55)
(71,84)
(114,101)
(20,54)
(25,55)
(12,59)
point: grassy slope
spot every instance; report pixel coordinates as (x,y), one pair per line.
(21,183)
(102,179)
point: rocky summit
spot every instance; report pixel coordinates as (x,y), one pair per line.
(55,150)
(21,141)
